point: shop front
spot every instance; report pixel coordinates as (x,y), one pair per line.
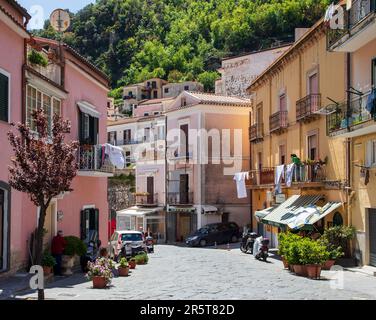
(181,222)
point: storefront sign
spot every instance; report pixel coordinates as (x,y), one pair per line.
(280,198)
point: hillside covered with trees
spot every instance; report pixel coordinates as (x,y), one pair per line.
(132,40)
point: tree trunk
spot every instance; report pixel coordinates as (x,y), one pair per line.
(39,243)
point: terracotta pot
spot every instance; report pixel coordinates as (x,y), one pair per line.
(99,282)
(285,263)
(328,264)
(47,270)
(291,267)
(300,270)
(123,272)
(313,271)
(141,261)
(132,264)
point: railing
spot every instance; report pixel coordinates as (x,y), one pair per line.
(304,173)
(307,106)
(90,158)
(147,199)
(183,197)
(278,121)
(349,117)
(353,18)
(52,71)
(124,142)
(256,132)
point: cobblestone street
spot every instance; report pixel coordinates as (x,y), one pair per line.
(175,272)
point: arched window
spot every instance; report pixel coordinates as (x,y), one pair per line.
(337,219)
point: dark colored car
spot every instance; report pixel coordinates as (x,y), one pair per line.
(214,233)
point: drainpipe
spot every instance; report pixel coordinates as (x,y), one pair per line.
(250,168)
(348,140)
(166,180)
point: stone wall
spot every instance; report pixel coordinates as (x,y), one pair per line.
(120,196)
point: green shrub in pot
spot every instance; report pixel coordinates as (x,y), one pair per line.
(74,246)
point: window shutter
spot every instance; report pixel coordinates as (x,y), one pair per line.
(95,130)
(369,153)
(84,218)
(4,97)
(81,127)
(96,221)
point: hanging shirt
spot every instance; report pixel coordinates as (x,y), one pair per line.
(289,174)
(279,170)
(240,183)
(116,155)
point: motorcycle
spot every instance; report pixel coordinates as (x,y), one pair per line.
(149,242)
(248,241)
(263,248)
(91,254)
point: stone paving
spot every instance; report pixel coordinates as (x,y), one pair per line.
(176,272)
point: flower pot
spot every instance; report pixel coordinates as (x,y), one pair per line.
(47,270)
(123,272)
(67,263)
(291,267)
(285,263)
(328,264)
(99,282)
(313,271)
(132,264)
(300,270)
(141,261)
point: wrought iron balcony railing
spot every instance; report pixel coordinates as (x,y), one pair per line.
(256,132)
(278,121)
(90,158)
(146,199)
(183,197)
(307,106)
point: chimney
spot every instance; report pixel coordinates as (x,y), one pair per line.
(299,32)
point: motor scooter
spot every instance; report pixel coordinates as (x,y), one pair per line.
(262,250)
(149,242)
(248,240)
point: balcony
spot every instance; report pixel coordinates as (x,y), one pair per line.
(278,122)
(90,163)
(146,199)
(125,142)
(360,27)
(176,198)
(307,106)
(256,132)
(306,175)
(351,120)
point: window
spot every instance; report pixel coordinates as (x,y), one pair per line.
(312,147)
(4,97)
(371,153)
(127,157)
(373,68)
(127,135)
(313,83)
(184,142)
(112,138)
(155,94)
(130,94)
(183,101)
(156,113)
(36,99)
(154,84)
(282,102)
(282,154)
(337,219)
(186,88)
(146,114)
(165,90)
(161,133)
(146,134)
(131,237)
(88,125)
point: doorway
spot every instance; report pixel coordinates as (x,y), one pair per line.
(150,189)
(372,236)
(183,188)
(50,224)
(90,224)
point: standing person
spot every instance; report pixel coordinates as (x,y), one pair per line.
(57,248)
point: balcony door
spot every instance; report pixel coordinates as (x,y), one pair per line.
(184,142)
(89,129)
(89,224)
(150,189)
(183,188)
(373,68)
(312,146)
(313,83)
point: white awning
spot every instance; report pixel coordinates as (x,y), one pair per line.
(88,108)
(209,209)
(138,211)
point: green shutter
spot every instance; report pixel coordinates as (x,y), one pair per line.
(4,97)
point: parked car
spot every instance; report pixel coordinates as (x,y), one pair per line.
(214,233)
(120,237)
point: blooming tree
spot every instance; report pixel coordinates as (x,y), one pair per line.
(43,165)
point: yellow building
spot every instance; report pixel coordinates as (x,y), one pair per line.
(354,119)
(287,118)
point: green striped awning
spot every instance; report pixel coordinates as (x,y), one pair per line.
(181,209)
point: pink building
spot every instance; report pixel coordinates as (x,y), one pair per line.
(69,85)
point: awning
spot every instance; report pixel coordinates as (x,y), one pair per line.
(181,209)
(299,211)
(88,108)
(263,213)
(138,211)
(209,209)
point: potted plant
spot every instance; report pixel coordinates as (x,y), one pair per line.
(100,272)
(123,267)
(284,240)
(132,263)
(292,256)
(141,258)
(74,247)
(37,59)
(316,255)
(48,262)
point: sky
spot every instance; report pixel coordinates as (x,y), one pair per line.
(40,10)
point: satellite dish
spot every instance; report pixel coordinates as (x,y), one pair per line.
(60,20)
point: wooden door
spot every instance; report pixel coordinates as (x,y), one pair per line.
(183,189)
(150,189)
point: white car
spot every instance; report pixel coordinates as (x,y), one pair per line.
(120,237)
